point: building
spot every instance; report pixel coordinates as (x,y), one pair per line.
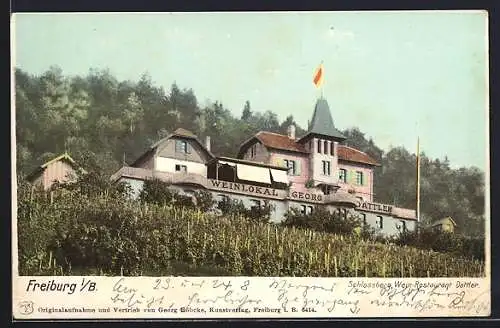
(306,172)
(446,224)
(59,169)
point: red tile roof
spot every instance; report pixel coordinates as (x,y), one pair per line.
(283,142)
(353,155)
(279,141)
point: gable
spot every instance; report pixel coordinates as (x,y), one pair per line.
(272,140)
(183,148)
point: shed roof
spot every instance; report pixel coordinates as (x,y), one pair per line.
(444,220)
(63,157)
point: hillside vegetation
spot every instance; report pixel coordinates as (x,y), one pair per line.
(103,123)
(94,229)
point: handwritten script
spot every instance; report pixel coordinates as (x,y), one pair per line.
(290,297)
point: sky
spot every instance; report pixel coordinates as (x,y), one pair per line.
(394,75)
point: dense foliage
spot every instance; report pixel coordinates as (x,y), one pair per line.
(322,220)
(104,122)
(426,238)
(72,230)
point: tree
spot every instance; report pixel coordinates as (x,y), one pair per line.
(247,112)
(100,120)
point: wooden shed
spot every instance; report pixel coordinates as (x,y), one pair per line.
(446,224)
(61,168)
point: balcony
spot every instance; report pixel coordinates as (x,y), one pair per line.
(341,197)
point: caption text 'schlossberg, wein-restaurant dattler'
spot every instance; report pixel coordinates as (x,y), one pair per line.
(303,173)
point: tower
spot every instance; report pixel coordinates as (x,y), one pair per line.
(322,140)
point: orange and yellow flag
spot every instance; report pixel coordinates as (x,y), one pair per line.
(318,76)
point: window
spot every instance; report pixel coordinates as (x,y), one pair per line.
(319,146)
(343,175)
(325,147)
(326,167)
(402,226)
(309,210)
(180,168)
(302,209)
(326,189)
(292,168)
(363,218)
(255,203)
(253,150)
(359,178)
(380,222)
(332,148)
(222,199)
(181,146)
(342,213)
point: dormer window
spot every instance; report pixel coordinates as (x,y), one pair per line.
(319,146)
(181,146)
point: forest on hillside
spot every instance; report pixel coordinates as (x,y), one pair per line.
(103,123)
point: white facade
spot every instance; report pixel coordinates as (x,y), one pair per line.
(172,165)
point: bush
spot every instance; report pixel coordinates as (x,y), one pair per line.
(94,183)
(204,200)
(157,192)
(425,238)
(106,235)
(322,220)
(229,206)
(260,213)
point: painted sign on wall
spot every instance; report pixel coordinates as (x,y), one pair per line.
(306,196)
(374,207)
(240,187)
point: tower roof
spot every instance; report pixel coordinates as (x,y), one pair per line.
(322,122)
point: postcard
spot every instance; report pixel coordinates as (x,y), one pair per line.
(263,165)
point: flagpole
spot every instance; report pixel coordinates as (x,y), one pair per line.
(323,78)
(418,179)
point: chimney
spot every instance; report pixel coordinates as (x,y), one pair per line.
(207,143)
(291,131)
